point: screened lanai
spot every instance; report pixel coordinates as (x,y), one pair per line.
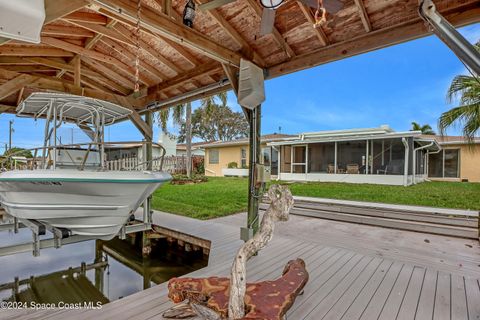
(377,155)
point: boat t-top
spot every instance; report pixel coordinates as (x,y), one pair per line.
(68,186)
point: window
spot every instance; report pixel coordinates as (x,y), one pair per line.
(266,156)
(451,163)
(213,156)
(243,158)
(444,164)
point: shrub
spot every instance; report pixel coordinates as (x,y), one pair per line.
(232,165)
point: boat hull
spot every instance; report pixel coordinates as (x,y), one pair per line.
(94,204)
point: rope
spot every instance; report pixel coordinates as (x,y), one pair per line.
(137,54)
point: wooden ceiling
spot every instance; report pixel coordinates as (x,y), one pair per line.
(88,47)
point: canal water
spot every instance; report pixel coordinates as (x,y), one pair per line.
(90,271)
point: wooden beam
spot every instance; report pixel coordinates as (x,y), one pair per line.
(109,73)
(28,68)
(181,79)
(144,66)
(167,7)
(94,55)
(104,31)
(59,85)
(33,52)
(57,65)
(165,26)
(137,120)
(20,95)
(247,50)
(66,31)
(15,84)
(77,74)
(92,42)
(87,17)
(232,76)
(150,50)
(363,15)
(55,9)
(276,34)
(322,37)
(105,81)
(371,41)
(7,108)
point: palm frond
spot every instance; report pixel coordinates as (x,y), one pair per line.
(162,118)
(178,113)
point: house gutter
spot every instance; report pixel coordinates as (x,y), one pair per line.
(405,167)
(415,158)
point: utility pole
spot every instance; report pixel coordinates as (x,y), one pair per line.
(10,132)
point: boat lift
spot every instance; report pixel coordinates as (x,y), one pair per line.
(61,236)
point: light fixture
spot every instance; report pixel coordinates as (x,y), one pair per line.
(271,4)
(189,14)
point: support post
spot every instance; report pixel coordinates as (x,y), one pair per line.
(146,243)
(254,186)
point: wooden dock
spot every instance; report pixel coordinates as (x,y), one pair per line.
(448,222)
(356,272)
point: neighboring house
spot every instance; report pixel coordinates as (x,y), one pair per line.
(129,151)
(137,150)
(197,149)
(372,155)
(457,161)
(220,153)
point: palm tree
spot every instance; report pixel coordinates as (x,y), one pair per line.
(425,129)
(467,114)
(178,113)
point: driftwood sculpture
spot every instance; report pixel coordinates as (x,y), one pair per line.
(233,298)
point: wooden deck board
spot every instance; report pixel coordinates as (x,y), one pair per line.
(390,278)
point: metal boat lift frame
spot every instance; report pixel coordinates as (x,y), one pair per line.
(60,236)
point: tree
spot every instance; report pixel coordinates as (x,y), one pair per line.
(467,114)
(215,122)
(18,152)
(425,129)
(178,114)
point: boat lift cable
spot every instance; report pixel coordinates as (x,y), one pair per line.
(463,49)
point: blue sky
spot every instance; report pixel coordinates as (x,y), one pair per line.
(393,86)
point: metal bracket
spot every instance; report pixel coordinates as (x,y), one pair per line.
(246,233)
(463,49)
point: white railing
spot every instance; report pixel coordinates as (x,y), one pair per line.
(171,164)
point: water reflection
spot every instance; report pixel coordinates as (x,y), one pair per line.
(91,271)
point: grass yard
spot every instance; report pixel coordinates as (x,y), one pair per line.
(223,196)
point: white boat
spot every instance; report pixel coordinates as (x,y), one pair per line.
(68,187)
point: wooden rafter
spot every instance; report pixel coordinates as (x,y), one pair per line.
(109,73)
(367,42)
(50,83)
(363,15)
(66,31)
(105,81)
(33,52)
(322,37)
(77,73)
(276,34)
(15,84)
(247,50)
(104,31)
(232,76)
(144,66)
(181,79)
(56,9)
(150,50)
(165,26)
(137,120)
(93,55)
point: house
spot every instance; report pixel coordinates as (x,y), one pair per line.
(197,149)
(137,150)
(457,161)
(371,155)
(219,154)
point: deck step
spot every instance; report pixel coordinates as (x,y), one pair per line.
(448,222)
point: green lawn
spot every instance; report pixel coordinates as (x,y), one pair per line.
(223,196)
